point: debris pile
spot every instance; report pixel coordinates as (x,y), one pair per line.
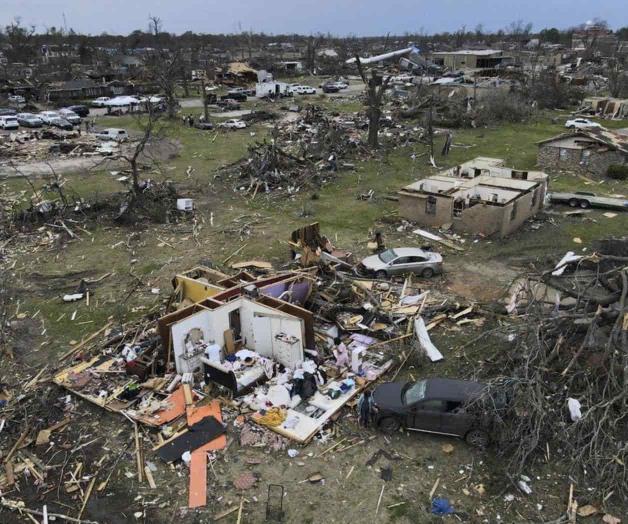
(566,369)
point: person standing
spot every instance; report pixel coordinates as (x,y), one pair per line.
(365,408)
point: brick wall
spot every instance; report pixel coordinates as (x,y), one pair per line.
(549,160)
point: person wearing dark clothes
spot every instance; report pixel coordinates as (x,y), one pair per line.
(365,407)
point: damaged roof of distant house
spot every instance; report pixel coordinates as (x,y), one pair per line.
(611,139)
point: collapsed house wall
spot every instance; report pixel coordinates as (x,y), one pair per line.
(272,333)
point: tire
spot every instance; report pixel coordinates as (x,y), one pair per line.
(381,275)
(428,272)
(584,204)
(573,202)
(477,438)
(389,425)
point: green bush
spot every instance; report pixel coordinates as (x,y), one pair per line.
(618,171)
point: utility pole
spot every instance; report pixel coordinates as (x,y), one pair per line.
(204,95)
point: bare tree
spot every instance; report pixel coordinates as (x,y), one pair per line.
(165,67)
(313,43)
(133,156)
(615,71)
(375,88)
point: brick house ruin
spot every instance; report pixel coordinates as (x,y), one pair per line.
(480,196)
(587,152)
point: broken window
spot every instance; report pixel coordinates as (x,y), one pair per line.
(563,154)
(513,211)
(430,205)
(586,155)
(458,207)
(534,198)
(234,324)
(519,175)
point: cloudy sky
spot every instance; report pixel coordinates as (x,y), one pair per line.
(341,17)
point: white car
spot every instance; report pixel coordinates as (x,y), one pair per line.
(9,122)
(100,101)
(70,116)
(17,99)
(303,90)
(582,123)
(233,124)
(48,116)
(119,135)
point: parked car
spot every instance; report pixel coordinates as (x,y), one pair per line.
(303,90)
(60,123)
(47,115)
(340,84)
(119,135)
(330,88)
(29,120)
(100,101)
(233,123)
(228,104)
(9,122)
(435,405)
(80,110)
(17,99)
(585,200)
(206,126)
(400,261)
(7,111)
(70,116)
(582,123)
(239,96)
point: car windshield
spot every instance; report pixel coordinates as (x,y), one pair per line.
(414,392)
(387,256)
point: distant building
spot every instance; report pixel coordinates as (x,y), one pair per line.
(588,152)
(291,67)
(470,59)
(480,196)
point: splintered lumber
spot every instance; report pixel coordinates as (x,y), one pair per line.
(138,454)
(425,342)
(17,444)
(80,345)
(88,493)
(436,238)
(149,477)
(187,394)
(225,513)
(18,506)
(234,253)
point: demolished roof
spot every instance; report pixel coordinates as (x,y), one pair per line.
(612,139)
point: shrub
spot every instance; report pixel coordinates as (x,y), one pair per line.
(618,172)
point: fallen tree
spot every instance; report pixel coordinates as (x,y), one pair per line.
(566,374)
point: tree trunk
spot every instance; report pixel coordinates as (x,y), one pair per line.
(374,116)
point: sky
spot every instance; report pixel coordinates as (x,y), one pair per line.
(339,17)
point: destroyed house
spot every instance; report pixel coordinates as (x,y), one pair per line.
(606,106)
(588,152)
(480,200)
(470,59)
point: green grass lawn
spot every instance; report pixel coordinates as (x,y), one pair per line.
(343,217)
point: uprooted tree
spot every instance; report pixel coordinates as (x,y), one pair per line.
(566,372)
(376,86)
